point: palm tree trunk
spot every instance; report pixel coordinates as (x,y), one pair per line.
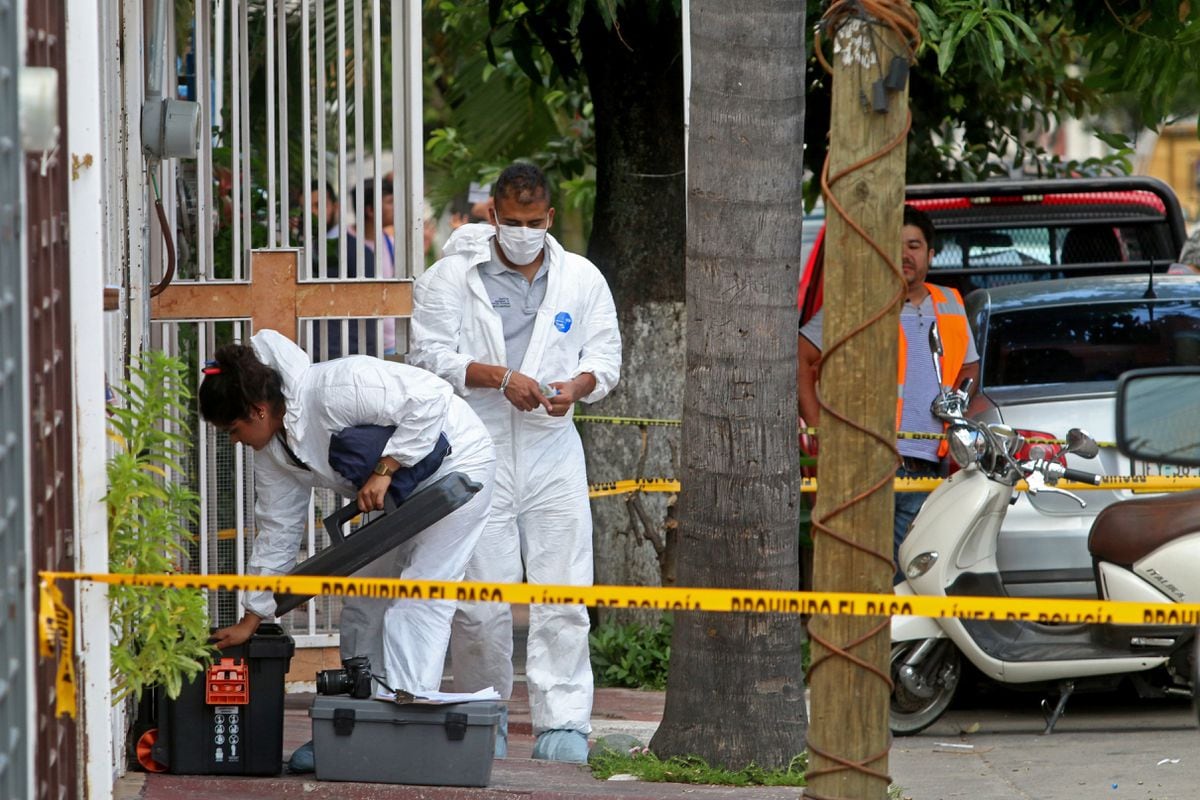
(736,687)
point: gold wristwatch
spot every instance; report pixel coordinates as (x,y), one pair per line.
(383,469)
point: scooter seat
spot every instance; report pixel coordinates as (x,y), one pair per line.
(1127,531)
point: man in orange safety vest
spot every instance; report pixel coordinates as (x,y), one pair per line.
(916,383)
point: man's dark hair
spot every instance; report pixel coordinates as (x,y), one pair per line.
(917,217)
(522,182)
(330,194)
(369,194)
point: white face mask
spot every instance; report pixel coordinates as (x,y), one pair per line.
(521,244)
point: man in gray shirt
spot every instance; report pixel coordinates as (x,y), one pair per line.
(517,300)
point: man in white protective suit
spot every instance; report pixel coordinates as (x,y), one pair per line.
(524,330)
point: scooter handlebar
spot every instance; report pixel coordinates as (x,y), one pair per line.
(1080,476)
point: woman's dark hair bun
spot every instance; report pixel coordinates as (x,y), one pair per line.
(240,383)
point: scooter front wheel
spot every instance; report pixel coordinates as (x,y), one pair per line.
(922,691)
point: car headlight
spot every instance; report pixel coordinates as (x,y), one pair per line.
(966,445)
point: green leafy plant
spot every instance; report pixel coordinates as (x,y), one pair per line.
(691,769)
(160,633)
(633,655)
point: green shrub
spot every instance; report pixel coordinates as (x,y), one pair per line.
(160,633)
(633,655)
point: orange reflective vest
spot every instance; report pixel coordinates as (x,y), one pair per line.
(952,326)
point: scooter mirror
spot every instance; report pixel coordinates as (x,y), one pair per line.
(1081,443)
(935,349)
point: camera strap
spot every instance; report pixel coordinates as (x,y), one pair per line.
(398,695)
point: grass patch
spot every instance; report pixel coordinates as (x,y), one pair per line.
(692,769)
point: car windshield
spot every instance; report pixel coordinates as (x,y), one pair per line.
(1074,344)
(1002,256)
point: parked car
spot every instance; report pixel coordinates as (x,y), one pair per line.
(993,233)
(1054,328)
(1051,353)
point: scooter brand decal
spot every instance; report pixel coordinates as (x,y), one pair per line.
(562,321)
(1163,583)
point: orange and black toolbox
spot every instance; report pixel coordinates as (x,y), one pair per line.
(228,720)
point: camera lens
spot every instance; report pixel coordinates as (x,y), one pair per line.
(332,681)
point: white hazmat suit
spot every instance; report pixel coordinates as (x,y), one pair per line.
(541,526)
(406,639)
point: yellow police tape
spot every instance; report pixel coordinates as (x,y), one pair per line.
(810,431)
(630,486)
(639,421)
(56,625)
(55,619)
(665,598)
(1136,483)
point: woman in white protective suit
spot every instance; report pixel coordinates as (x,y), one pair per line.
(523,329)
(270,397)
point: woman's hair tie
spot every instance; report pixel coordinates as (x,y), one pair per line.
(211,368)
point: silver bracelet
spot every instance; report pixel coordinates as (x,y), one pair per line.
(504,380)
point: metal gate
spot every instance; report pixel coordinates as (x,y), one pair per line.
(349,72)
(50,398)
(14,623)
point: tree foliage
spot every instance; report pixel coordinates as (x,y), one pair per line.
(992,78)
(494,93)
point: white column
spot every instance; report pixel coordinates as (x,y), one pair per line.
(408,153)
(134,224)
(87,65)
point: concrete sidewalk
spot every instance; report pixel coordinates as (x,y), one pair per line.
(1107,746)
(615,711)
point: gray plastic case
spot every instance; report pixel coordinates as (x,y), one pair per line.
(376,741)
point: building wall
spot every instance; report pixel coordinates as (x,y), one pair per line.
(51,420)
(1176,160)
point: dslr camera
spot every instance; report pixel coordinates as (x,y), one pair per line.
(354,678)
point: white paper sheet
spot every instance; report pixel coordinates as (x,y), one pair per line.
(437,698)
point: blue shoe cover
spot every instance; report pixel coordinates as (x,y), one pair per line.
(561,745)
(501,750)
(302,760)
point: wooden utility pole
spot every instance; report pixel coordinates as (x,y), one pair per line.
(848,733)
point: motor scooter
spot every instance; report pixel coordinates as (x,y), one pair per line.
(1145,550)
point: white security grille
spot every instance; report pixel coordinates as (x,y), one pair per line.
(296,94)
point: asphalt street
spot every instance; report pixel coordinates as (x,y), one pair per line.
(1111,746)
